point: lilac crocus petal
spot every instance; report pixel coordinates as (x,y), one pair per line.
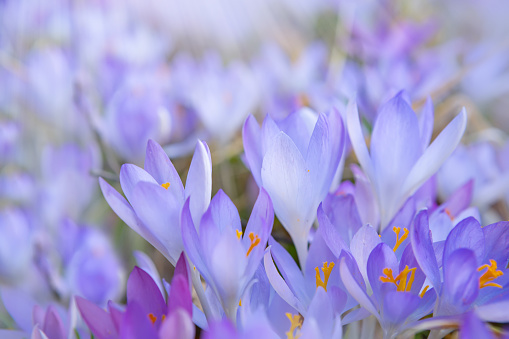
(496,242)
(158,210)
(363,242)
(426,123)
(381,257)
(356,290)
(330,234)
(122,208)
(130,175)
(181,268)
(19,305)
(466,234)
(365,199)
(319,313)
(494,312)
(222,213)
(192,241)
(136,324)
(180,296)
(394,154)
(423,249)
(116,314)
(221,329)
(289,270)
(460,199)
(37,333)
(343,214)
(144,262)
(159,166)
(178,324)
(199,181)
(98,320)
(251,137)
(357,138)
(397,306)
(279,284)
(472,327)
(53,326)
(11,334)
(436,154)
(141,289)
(461,282)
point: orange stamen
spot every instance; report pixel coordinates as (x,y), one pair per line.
(399,240)
(491,274)
(255,241)
(166,185)
(326,269)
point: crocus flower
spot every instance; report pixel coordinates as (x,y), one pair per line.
(296,164)
(155,196)
(400,160)
(147,313)
(226,256)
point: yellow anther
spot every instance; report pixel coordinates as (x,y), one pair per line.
(399,240)
(402,281)
(255,241)
(424,291)
(240,302)
(295,324)
(239,234)
(152,318)
(326,269)
(166,185)
(491,274)
(163,317)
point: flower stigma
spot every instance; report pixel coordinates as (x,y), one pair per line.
(295,325)
(491,274)
(402,281)
(326,269)
(255,241)
(399,240)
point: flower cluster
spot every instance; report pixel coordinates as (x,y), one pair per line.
(314,169)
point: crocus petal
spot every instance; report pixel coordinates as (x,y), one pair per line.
(223,213)
(19,305)
(159,166)
(180,296)
(181,268)
(11,334)
(192,241)
(141,289)
(461,282)
(159,211)
(98,320)
(435,155)
(381,257)
(199,181)
(356,290)
(130,175)
(329,233)
(342,212)
(289,270)
(395,147)
(320,309)
(496,242)
(136,324)
(397,306)
(251,138)
(494,312)
(472,327)
(423,248)
(178,325)
(460,199)
(363,242)
(125,212)
(467,234)
(280,285)
(426,123)
(53,326)
(357,138)
(144,262)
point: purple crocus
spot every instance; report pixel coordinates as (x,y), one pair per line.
(295,161)
(155,196)
(400,160)
(227,256)
(147,314)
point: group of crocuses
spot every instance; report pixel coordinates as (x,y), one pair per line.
(375,257)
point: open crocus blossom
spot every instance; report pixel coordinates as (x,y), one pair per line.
(400,160)
(296,163)
(226,255)
(146,314)
(155,196)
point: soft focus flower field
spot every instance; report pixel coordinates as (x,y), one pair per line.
(254,169)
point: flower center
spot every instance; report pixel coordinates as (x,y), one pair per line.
(166,185)
(491,274)
(326,269)
(399,240)
(402,281)
(295,325)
